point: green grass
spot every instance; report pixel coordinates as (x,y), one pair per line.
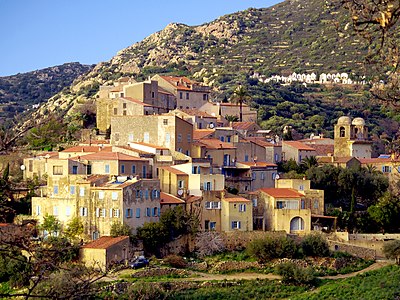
(380,284)
(255,289)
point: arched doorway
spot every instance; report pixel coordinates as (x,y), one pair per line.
(296,224)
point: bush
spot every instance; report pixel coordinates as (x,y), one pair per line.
(315,245)
(391,249)
(175,261)
(292,273)
(272,247)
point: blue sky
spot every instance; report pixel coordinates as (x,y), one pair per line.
(36,34)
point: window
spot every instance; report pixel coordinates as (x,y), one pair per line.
(95,235)
(148,212)
(114,196)
(246,157)
(133,169)
(88,169)
(208,186)
(386,169)
(342,132)
(144,172)
(187,96)
(124,113)
(55,189)
(122,169)
(107,169)
(316,203)
(301,187)
(72,190)
(101,195)
(115,110)
(128,213)
(262,175)
(205,97)
(83,211)
(146,194)
(38,210)
(115,213)
(130,137)
(254,202)
(57,170)
(254,175)
(179,138)
(154,212)
(181,184)
(138,212)
(152,94)
(235,224)
(213,225)
(156,194)
(55,210)
(189,137)
(180,95)
(68,211)
(167,138)
(213,205)
(165,121)
(242,207)
(287,204)
(228,139)
(146,137)
(102,213)
(82,191)
(74,169)
(196,170)
(124,105)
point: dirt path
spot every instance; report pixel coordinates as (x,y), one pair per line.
(198,276)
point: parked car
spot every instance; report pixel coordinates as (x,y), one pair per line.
(140,262)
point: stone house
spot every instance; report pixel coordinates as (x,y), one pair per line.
(296,150)
(189,94)
(168,201)
(168,131)
(246,129)
(221,153)
(221,110)
(199,119)
(106,251)
(236,214)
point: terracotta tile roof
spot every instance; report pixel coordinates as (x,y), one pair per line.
(260,141)
(245,125)
(149,145)
(93,178)
(258,164)
(214,144)
(202,133)
(179,82)
(343,159)
(166,198)
(105,242)
(196,112)
(377,160)
(298,145)
(192,199)
(5,224)
(282,192)
(87,149)
(95,142)
(236,199)
(232,104)
(48,154)
(323,150)
(102,155)
(173,170)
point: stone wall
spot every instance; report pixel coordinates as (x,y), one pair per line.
(238,240)
(358,251)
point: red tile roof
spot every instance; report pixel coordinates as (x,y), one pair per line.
(282,192)
(323,150)
(377,160)
(179,82)
(202,133)
(87,149)
(245,125)
(196,112)
(166,198)
(109,156)
(105,242)
(260,141)
(236,199)
(298,145)
(173,170)
(149,145)
(232,104)
(214,144)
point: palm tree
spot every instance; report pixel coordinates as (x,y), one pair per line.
(240,95)
(308,162)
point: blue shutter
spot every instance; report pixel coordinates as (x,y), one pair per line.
(159,211)
(383,169)
(137,212)
(233,225)
(127,213)
(390,169)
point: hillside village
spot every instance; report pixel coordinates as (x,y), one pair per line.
(162,143)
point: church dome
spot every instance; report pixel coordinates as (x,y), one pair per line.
(344,121)
(358,122)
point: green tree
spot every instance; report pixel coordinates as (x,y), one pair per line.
(315,245)
(307,163)
(240,95)
(386,213)
(74,229)
(50,224)
(272,247)
(391,249)
(119,229)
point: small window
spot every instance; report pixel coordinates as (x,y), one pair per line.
(152,94)
(57,170)
(138,212)
(72,190)
(254,175)
(165,121)
(102,213)
(154,212)
(316,203)
(254,202)
(187,96)
(115,213)
(115,111)
(55,189)
(130,137)
(181,184)
(107,169)
(146,194)
(101,195)
(180,96)
(246,158)
(83,211)
(242,207)
(124,105)
(68,211)
(235,224)
(148,212)
(74,169)
(189,138)
(82,191)
(222,139)
(122,169)
(38,210)
(133,169)
(55,210)
(213,225)
(179,138)
(114,196)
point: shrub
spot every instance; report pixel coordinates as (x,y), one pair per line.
(175,261)
(315,245)
(391,249)
(272,247)
(292,273)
